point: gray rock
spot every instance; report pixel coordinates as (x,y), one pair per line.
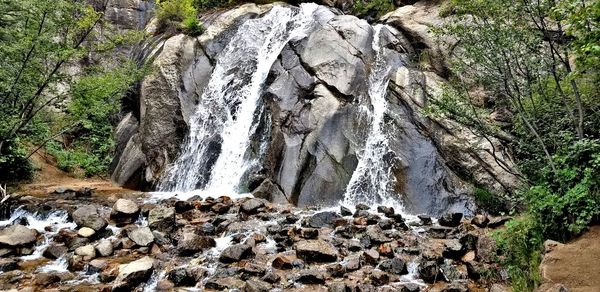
(162,219)
(7,265)
(55,251)
(104,248)
(311,277)
(321,219)
(269,191)
(451,219)
(251,205)
(376,235)
(87,251)
(87,216)
(192,243)
(253,285)
(17,235)
(125,211)
(316,251)
(133,273)
(142,236)
(235,253)
(394,266)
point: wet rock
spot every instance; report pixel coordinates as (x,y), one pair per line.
(426,220)
(439,232)
(17,235)
(55,251)
(11,277)
(271,277)
(96,266)
(235,253)
(162,219)
(429,271)
(182,277)
(132,274)
(87,216)
(7,265)
(311,277)
(254,285)
(88,252)
(309,233)
(453,249)
(255,269)
(321,219)
(315,251)
(86,232)
(104,248)
(224,283)
(370,257)
(409,287)
(376,235)
(47,279)
(183,206)
(207,229)
(379,278)
(283,262)
(387,211)
(142,236)
(337,287)
(345,211)
(450,219)
(394,266)
(192,243)
(124,211)
(251,206)
(480,221)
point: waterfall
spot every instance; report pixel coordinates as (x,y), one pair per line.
(372,181)
(214,156)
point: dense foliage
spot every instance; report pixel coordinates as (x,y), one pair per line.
(179,15)
(537,63)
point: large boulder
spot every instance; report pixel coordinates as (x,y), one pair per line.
(162,218)
(17,235)
(134,273)
(88,216)
(316,251)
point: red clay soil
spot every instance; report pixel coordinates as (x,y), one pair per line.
(575,265)
(48,178)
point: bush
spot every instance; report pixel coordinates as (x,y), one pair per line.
(192,27)
(520,246)
(202,5)
(14,166)
(493,203)
(373,8)
(171,14)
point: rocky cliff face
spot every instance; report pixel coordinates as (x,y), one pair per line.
(314,120)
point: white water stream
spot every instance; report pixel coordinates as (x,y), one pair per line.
(227,111)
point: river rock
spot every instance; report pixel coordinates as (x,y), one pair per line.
(17,235)
(192,243)
(254,285)
(133,273)
(429,271)
(394,266)
(86,232)
(450,219)
(88,252)
(283,262)
(55,251)
(104,248)
(182,277)
(480,221)
(316,251)
(235,253)
(251,205)
(124,211)
(7,265)
(142,236)
(162,219)
(376,235)
(321,219)
(87,216)
(311,276)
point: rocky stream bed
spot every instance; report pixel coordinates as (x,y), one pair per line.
(78,241)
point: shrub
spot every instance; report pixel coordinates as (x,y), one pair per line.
(14,166)
(493,203)
(209,4)
(192,27)
(172,13)
(373,8)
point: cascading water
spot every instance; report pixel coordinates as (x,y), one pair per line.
(227,111)
(372,181)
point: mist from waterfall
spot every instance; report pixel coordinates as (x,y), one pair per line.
(214,156)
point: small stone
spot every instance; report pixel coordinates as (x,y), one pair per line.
(162,219)
(426,220)
(363,207)
(142,236)
(182,206)
(309,233)
(88,252)
(387,211)
(86,232)
(235,253)
(104,248)
(450,219)
(207,229)
(352,263)
(453,249)
(271,277)
(480,221)
(316,251)
(429,272)
(124,211)
(376,235)
(181,277)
